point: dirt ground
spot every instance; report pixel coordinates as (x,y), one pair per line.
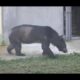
(5,56)
(35,50)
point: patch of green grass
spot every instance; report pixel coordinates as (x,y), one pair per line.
(60,64)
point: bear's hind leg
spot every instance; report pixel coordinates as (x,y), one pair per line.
(18,49)
(9,48)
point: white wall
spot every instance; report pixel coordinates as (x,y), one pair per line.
(0,20)
(9,20)
(51,16)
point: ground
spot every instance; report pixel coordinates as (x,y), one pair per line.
(35,50)
(60,64)
(34,62)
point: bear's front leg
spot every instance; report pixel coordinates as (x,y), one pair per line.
(46,49)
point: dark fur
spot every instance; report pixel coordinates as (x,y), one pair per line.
(35,34)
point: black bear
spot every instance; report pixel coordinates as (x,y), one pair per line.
(35,34)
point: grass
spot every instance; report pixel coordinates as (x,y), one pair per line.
(60,64)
